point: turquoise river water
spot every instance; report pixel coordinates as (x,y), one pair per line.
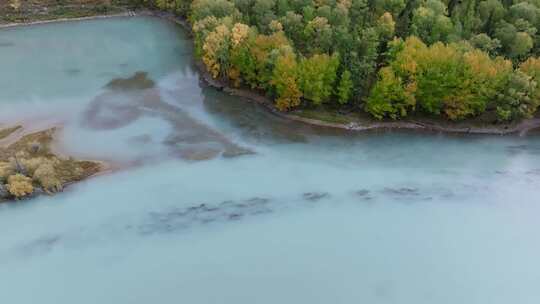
(215,200)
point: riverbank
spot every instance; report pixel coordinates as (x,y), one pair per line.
(357,121)
(321,117)
(68,19)
(16,12)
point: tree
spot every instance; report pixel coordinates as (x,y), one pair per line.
(284,79)
(245,63)
(445,64)
(294,28)
(264,50)
(389,98)
(201,9)
(344,88)
(216,51)
(518,98)
(431,23)
(263,14)
(490,13)
(319,34)
(317,75)
(485,43)
(239,63)
(521,45)
(386,26)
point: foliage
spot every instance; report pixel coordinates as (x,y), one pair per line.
(285,80)
(317,75)
(516,100)
(443,79)
(454,59)
(389,97)
(19,185)
(345,87)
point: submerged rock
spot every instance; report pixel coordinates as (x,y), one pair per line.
(4,193)
(517,149)
(40,245)
(175,219)
(533,172)
(401,191)
(139,81)
(315,196)
(364,194)
(236,152)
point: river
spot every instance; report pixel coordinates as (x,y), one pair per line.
(215,200)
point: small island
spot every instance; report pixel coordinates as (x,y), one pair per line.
(29,166)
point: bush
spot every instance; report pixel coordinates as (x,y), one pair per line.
(19,185)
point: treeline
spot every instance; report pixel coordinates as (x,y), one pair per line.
(391,58)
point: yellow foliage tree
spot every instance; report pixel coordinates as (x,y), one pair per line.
(215,50)
(19,185)
(239,33)
(284,79)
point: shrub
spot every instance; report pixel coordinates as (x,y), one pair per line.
(19,185)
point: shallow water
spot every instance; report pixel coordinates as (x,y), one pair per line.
(309,216)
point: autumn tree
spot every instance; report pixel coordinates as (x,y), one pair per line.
(317,75)
(285,81)
(345,86)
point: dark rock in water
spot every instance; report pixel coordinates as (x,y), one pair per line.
(4,193)
(362,192)
(6,44)
(533,172)
(315,196)
(139,81)
(41,244)
(236,151)
(38,191)
(198,154)
(234,216)
(523,149)
(175,219)
(401,191)
(72,72)
(257,201)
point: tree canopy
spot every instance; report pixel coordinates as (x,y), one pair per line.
(391,58)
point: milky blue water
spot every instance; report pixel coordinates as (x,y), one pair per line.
(309,216)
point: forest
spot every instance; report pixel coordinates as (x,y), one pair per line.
(390,58)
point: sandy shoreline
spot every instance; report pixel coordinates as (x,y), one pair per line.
(20,24)
(521,128)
